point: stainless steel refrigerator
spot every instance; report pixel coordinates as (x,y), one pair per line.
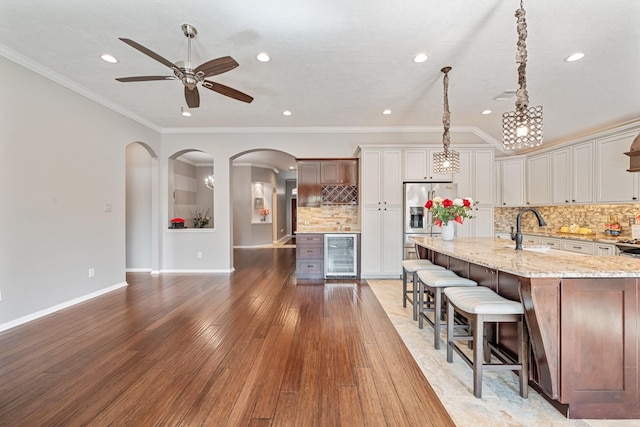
(417,219)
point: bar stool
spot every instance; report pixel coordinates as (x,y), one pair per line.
(481,305)
(412,266)
(431,284)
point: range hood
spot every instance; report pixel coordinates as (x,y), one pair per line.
(634,155)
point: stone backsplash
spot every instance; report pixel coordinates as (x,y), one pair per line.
(328,217)
(589,216)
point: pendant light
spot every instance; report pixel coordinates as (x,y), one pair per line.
(523,127)
(447,161)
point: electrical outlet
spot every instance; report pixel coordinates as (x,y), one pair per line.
(199,254)
(92,272)
(108,207)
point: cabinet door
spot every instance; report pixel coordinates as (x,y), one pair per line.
(483,179)
(613,182)
(371,241)
(392,241)
(415,164)
(465,178)
(513,182)
(348,172)
(582,173)
(329,172)
(578,246)
(371,186)
(602,249)
(392,178)
(483,221)
(538,180)
(551,242)
(309,192)
(561,177)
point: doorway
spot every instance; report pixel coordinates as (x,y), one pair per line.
(294,219)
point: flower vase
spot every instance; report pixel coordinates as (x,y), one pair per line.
(447,231)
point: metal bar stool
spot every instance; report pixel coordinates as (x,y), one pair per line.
(481,305)
(431,284)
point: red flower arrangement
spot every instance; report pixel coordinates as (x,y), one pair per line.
(444,210)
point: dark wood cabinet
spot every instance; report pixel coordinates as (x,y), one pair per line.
(309,187)
(342,172)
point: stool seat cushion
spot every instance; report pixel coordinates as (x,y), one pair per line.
(482,300)
(444,278)
(412,265)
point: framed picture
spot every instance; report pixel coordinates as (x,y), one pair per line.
(258,203)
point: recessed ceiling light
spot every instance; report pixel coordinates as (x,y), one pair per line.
(386,112)
(419,58)
(506,95)
(263,57)
(485,112)
(574,57)
(109,58)
(286,113)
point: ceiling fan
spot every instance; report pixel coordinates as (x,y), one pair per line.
(190,77)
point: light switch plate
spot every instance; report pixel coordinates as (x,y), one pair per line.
(108,207)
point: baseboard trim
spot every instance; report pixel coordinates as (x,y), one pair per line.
(58,307)
(198,271)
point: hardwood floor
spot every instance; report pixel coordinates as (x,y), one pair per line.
(251,348)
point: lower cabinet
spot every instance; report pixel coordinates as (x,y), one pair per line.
(382,242)
(310,256)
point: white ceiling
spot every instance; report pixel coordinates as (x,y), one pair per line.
(339,64)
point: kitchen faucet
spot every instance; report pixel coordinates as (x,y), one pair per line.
(518,234)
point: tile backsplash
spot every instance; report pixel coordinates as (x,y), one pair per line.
(590,216)
(328,217)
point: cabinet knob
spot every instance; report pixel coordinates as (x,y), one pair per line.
(634,198)
(573,200)
(566,201)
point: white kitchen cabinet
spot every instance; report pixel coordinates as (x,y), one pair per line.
(528,239)
(578,246)
(481,225)
(418,165)
(613,183)
(381,182)
(538,180)
(582,173)
(604,249)
(561,176)
(382,245)
(512,181)
(475,180)
(552,242)
(381,190)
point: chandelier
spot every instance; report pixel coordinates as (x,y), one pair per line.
(447,161)
(209,181)
(523,127)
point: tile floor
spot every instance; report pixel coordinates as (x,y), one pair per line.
(500,405)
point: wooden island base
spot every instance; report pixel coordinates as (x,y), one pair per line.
(582,315)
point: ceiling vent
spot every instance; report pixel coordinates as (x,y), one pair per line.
(506,95)
(634,154)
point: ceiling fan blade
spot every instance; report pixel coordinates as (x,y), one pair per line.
(149,53)
(144,78)
(227,91)
(217,66)
(192,96)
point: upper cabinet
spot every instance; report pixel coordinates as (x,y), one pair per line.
(512,181)
(342,171)
(418,165)
(538,180)
(309,189)
(582,173)
(475,178)
(613,182)
(381,176)
(561,176)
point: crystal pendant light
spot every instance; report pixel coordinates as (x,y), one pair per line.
(447,161)
(523,127)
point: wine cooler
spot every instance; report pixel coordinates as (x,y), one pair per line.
(340,255)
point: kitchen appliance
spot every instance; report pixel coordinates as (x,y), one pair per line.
(340,255)
(417,219)
(629,247)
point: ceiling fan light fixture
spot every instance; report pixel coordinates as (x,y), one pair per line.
(109,58)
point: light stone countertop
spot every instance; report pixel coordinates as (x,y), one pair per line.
(500,254)
(596,237)
(327,230)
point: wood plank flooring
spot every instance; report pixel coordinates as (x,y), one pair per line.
(252,348)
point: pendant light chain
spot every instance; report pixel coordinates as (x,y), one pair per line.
(446,116)
(447,161)
(522,102)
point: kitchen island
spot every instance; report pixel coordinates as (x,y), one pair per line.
(582,315)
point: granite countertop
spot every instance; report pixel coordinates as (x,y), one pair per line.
(500,254)
(596,237)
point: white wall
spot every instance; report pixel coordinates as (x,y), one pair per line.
(62,158)
(138,208)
